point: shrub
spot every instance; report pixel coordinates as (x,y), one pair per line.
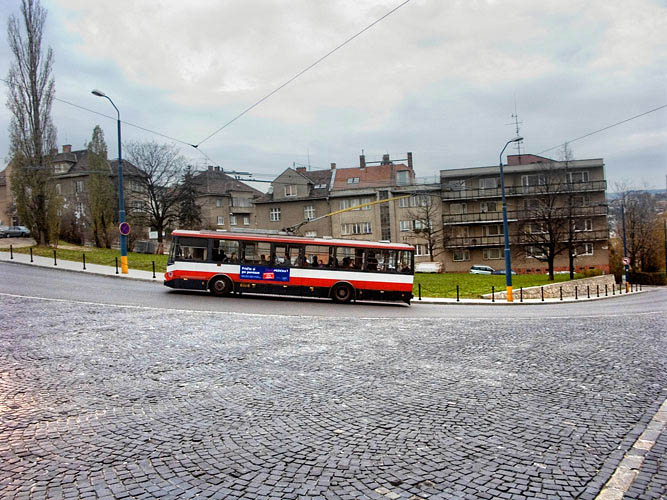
(648,278)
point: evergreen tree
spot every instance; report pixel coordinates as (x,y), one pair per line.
(101,197)
(189,213)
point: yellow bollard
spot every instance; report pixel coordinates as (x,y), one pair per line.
(509,294)
(123,264)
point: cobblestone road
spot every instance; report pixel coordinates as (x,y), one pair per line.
(107,402)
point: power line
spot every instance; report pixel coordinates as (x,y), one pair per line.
(301,73)
(605,128)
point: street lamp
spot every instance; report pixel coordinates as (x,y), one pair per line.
(508,260)
(121,202)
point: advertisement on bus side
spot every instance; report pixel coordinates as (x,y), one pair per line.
(262,273)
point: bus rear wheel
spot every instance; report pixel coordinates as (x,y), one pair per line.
(221,286)
(342,293)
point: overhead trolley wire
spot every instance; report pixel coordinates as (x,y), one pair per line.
(300,73)
(605,128)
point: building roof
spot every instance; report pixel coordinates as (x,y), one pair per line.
(215,182)
(370,176)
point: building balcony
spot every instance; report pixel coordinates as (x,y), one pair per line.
(517,239)
(242,210)
(514,215)
(472,194)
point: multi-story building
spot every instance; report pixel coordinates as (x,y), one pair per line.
(225,203)
(298,195)
(546,199)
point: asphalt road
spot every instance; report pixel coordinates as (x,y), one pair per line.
(59,284)
(176,395)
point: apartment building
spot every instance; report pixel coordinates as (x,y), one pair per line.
(298,195)
(564,201)
(226,203)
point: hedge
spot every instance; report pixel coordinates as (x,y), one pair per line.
(648,278)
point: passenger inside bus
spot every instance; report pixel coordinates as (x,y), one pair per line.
(263,261)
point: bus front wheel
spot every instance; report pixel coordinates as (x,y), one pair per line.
(221,286)
(342,293)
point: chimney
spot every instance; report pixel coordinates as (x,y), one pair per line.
(333,166)
(67,148)
(385,160)
(362,161)
(210,168)
(301,169)
(217,169)
(410,160)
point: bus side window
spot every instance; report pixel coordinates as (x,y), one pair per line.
(371,261)
(295,255)
(280,256)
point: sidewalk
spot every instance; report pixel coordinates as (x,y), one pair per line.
(134,274)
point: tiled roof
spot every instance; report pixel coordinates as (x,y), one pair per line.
(369,176)
(216,182)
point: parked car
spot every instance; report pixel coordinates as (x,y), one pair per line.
(481,270)
(501,271)
(3,231)
(15,232)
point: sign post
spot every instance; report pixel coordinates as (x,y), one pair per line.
(124,230)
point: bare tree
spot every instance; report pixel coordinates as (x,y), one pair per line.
(544,223)
(641,226)
(427,223)
(571,230)
(102,199)
(32,133)
(159,170)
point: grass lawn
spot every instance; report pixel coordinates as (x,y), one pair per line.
(474,285)
(102,256)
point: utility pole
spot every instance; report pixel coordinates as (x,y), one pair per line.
(625,247)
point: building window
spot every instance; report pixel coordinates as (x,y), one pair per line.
(402,177)
(406,225)
(240,202)
(221,220)
(455,185)
(58,189)
(458,208)
(531,204)
(79,209)
(357,228)
(533,180)
(421,250)
(353,180)
(584,249)
(489,206)
(404,202)
(60,168)
(232,220)
(488,183)
(534,252)
(320,186)
(218,202)
(580,201)
(79,186)
(290,191)
(246,220)
(583,225)
(137,205)
(495,230)
(461,255)
(309,212)
(578,176)
(274,214)
(537,228)
(493,253)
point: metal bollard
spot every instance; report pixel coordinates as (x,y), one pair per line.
(153,269)
(84,261)
(605,290)
(419,287)
(597,290)
(521,294)
(30,254)
(11,251)
(613,289)
(576,293)
(493,294)
(561,293)
(55,263)
(542,292)
(640,287)
(588,291)
(457,293)
(116,265)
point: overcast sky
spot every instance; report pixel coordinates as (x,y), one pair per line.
(438,78)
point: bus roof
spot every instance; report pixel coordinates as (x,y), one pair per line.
(290,239)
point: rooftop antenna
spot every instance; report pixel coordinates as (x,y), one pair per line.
(516,123)
(308,150)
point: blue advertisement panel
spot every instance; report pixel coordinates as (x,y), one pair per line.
(262,273)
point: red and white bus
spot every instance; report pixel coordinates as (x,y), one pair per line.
(342,270)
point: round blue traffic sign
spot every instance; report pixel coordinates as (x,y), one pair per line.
(124,228)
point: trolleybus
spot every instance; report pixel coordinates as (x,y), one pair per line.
(343,270)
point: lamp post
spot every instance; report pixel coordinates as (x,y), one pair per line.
(508,260)
(121,200)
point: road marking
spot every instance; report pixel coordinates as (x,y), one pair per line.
(149,308)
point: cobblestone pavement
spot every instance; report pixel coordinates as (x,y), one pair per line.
(651,483)
(109,402)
